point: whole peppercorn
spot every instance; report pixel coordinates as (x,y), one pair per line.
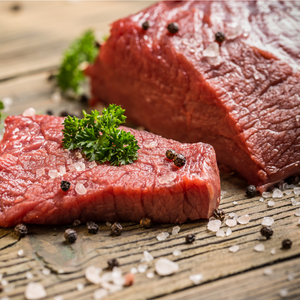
(84,99)
(97,45)
(179,161)
(116,229)
(220,37)
(219,214)
(287,244)
(171,154)
(65,185)
(76,223)
(49,112)
(21,230)
(251,191)
(173,27)
(112,263)
(145,25)
(145,223)
(70,235)
(92,227)
(267,232)
(190,238)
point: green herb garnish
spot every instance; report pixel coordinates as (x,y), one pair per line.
(99,138)
(1,108)
(70,76)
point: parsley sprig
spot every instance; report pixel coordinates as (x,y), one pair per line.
(99,138)
(83,49)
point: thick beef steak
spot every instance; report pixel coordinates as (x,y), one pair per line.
(245,101)
(33,164)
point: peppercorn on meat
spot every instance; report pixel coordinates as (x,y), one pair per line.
(42,183)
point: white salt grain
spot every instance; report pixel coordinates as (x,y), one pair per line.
(100,294)
(35,291)
(223,193)
(228,232)
(271,203)
(62,170)
(92,164)
(150,275)
(231,222)
(147,257)
(92,274)
(261,199)
(58,298)
(165,267)
(4,282)
(289,192)
(259,248)
(176,252)
(196,279)
(234,203)
(266,194)
(294,202)
(268,271)
(234,248)
(290,277)
(244,219)
(220,233)
(29,275)
(142,268)
(79,286)
(80,166)
(53,173)
(40,172)
(21,252)
(214,225)
(29,112)
(46,272)
(273,251)
(233,32)
(80,189)
(297,191)
(212,50)
(175,230)
(231,215)
(162,236)
(56,97)
(267,221)
(277,193)
(283,293)
(297,213)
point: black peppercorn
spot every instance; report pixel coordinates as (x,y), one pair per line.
(49,112)
(190,238)
(65,185)
(112,263)
(15,7)
(76,223)
(92,227)
(251,191)
(145,25)
(21,230)
(145,223)
(173,27)
(116,229)
(51,77)
(219,214)
(179,161)
(97,45)
(171,154)
(220,37)
(70,235)
(84,99)
(266,231)
(287,244)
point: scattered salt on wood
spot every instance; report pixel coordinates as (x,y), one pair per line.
(223,193)
(40,172)
(80,189)
(147,257)
(214,225)
(212,50)
(165,267)
(271,203)
(21,252)
(267,221)
(231,222)
(162,236)
(234,203)
(277,193)
(234,248)
(177,252)
(290,277)
(29,275)
(196,278)
(133,270)
(142,268)
(283,293)
(266,194)
(228,232)
(294,202)
(100,294)
(261,199)
(273,251)
(29,112)
(35,291)
(150,275)
(220,233)
(297,191)
(53,173)
(289,192)
(259,248)
(4,282)
(244,219)
(268,271)
(46,272)
(297,213)
(92,274)
(79,286)
(175,230)
(231,215)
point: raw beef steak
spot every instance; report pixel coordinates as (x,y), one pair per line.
(33,164)
(243,97)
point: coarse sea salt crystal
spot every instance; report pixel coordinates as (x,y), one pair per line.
(100,294)
(234,203)
(175,230)
(289,192)
(214,225)
(35,291)
(228,232)
(244,219)
(40,172)
(294,202)
(53,173)
(283,293)
(266,194)
(79,166)
(231,222)
(142,268)
(261,199)
(29,275)
(150,275)
(259,248)
(62,170)
(223,193)
(220,233)
(133,270)
(147,257)
(196,278)
(231,215)
(164,267)
(267,221)
(92,164)
(290,277)
(4,282)
(162,236)
(29,112)
(277,193)
(234,248)
(167,178)
(213,50)
(297,191)
(233,32)
(21,252)
(80,189)
(92,274)
(268,271)
(177,252)
(150,144)
(46,272)
(271,203)
(297,213)
(273,251)
(79,286)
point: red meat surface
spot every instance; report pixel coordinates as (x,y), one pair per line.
(152,186)
(244,102)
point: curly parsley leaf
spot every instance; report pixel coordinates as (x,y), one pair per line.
(70,76)
(99,138)
(1,108)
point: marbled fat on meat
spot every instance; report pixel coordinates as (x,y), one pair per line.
(244,102)
(150,187)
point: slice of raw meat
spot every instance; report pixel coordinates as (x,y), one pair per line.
(245,101)
(33,164)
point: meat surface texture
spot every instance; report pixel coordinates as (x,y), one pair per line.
(245,101)
(33,163)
